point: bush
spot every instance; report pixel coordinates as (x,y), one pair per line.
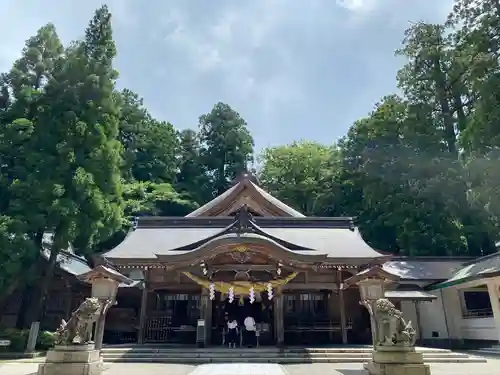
(45,340)
(19,339)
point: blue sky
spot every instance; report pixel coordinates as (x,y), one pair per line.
(294,69)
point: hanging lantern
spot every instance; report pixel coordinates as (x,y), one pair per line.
(252,295)
(231,295)
(212,291)
(269,291)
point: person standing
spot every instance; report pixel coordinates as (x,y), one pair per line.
(232,332)
(250,329)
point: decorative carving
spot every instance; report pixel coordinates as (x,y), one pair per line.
(240,248)
(242,276)
(241,256)
(80,324)
(243,220)
(392,329)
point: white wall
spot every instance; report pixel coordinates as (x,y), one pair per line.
(432,318)
(444,315)
(478,329)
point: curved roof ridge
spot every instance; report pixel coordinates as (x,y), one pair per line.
(276,202)
(232,193)
(382,253)
(248,236)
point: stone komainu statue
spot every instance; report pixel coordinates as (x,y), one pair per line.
(392,329)
(80,324)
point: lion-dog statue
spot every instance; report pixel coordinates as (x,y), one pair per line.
(392,329)
(79,326)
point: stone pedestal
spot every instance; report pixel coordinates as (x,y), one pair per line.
(397,361)
(72,360)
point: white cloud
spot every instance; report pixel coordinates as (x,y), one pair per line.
(226,47)
(358,5)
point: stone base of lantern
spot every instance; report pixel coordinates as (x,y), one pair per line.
(72,360)
(397,361)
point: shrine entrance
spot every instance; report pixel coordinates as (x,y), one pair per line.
(239,308)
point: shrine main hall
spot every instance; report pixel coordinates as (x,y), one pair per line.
(247,253)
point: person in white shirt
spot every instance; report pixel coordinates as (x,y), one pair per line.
(250,329)
(232,332)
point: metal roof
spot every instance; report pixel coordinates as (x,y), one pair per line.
(71,263)
(481,268)
(145,243)
(332,237)
(420,269)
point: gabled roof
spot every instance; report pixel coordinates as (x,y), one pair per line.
(105,272)
(482,268)
(67,260)
(429,269)
(316,239)
(245,191)
(375,272)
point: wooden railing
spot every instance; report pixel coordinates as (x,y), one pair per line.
(159,329)
(479,313)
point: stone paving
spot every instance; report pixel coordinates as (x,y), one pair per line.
(492,367)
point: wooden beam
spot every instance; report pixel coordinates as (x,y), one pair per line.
(310,286)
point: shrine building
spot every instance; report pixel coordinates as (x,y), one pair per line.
(247,253)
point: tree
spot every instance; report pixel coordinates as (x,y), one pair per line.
(433,80)
(192,178)
(302,174)
(227,146)
(74,188)
(150,146)
(476,27)
(393,165)
(21,92)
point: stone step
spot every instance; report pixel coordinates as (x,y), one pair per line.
(254,350)
(263,355)
(281,360)
(486,352)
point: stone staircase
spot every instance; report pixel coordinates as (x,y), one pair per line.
(158,354)
(489,351)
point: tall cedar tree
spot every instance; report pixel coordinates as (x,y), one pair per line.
(74,188)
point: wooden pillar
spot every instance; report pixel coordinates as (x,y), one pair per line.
(343,326)
(278,317)
(142,314)
(331,314)
(206,314)
(419,323)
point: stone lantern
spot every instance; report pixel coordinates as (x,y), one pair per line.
(105,282)
(371,284)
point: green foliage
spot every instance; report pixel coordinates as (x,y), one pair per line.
(19,339)
(302,174)
(81,159)
(227,146)
(150,199)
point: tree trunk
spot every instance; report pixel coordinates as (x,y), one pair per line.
(44,285)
